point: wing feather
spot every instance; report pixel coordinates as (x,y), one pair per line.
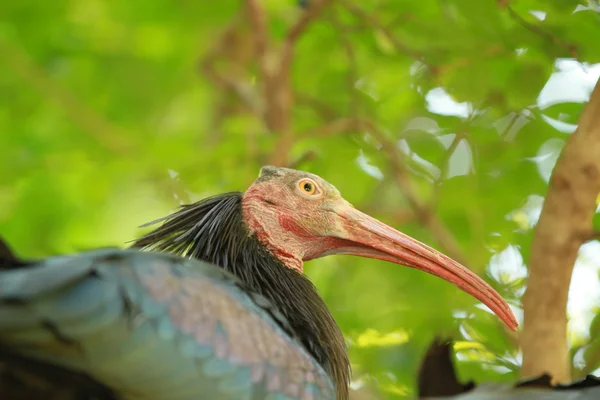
(154,326)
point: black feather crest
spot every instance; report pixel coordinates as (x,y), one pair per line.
(214,230)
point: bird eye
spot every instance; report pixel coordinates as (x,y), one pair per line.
(308,186)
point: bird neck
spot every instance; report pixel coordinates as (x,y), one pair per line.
(214,230)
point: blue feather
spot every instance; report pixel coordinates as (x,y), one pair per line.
(109,323)
(215,367)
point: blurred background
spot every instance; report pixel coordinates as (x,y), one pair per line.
(442,118)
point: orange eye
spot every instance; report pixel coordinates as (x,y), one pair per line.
(308,186)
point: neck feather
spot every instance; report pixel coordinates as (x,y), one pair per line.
(214,230)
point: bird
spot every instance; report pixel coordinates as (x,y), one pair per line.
(213,303)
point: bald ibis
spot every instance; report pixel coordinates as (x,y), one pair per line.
(228,314)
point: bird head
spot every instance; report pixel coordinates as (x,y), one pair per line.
(299,216)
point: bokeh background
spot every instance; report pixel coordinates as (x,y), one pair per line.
(441,118)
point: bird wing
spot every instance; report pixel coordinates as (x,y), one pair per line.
(154,326)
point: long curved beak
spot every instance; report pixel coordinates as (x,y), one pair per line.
(365,236)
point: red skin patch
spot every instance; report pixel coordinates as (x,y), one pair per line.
(288,224)
(266,224)
(277,219)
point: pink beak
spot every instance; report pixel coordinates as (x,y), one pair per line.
(371,238)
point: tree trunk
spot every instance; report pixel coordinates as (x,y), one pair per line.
(564,224)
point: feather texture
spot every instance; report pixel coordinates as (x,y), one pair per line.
(147,326)
(214,230)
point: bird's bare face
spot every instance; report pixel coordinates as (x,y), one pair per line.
(300,216)
(293,213)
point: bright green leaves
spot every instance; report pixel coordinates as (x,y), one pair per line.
(455,85)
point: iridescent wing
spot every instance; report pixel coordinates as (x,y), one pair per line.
(155,326)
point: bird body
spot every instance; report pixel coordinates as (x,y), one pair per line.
(228,314)
(155,326)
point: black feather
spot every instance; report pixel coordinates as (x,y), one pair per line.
(437,379)
(22,378)
(214,230)
(437,376)
(8,259)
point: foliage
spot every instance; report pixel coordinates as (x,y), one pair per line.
(115,112)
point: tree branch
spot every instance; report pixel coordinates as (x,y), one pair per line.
(371,21)
(288,46)
(546,35)
(424,213)
(323,110)
(102,131)
(308,155)
(568,210)
(258,20)
(335,127)
(278,89)
(593,236)
(352,75)
(444,167)
(233,51)
(400,175)
(275,83)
